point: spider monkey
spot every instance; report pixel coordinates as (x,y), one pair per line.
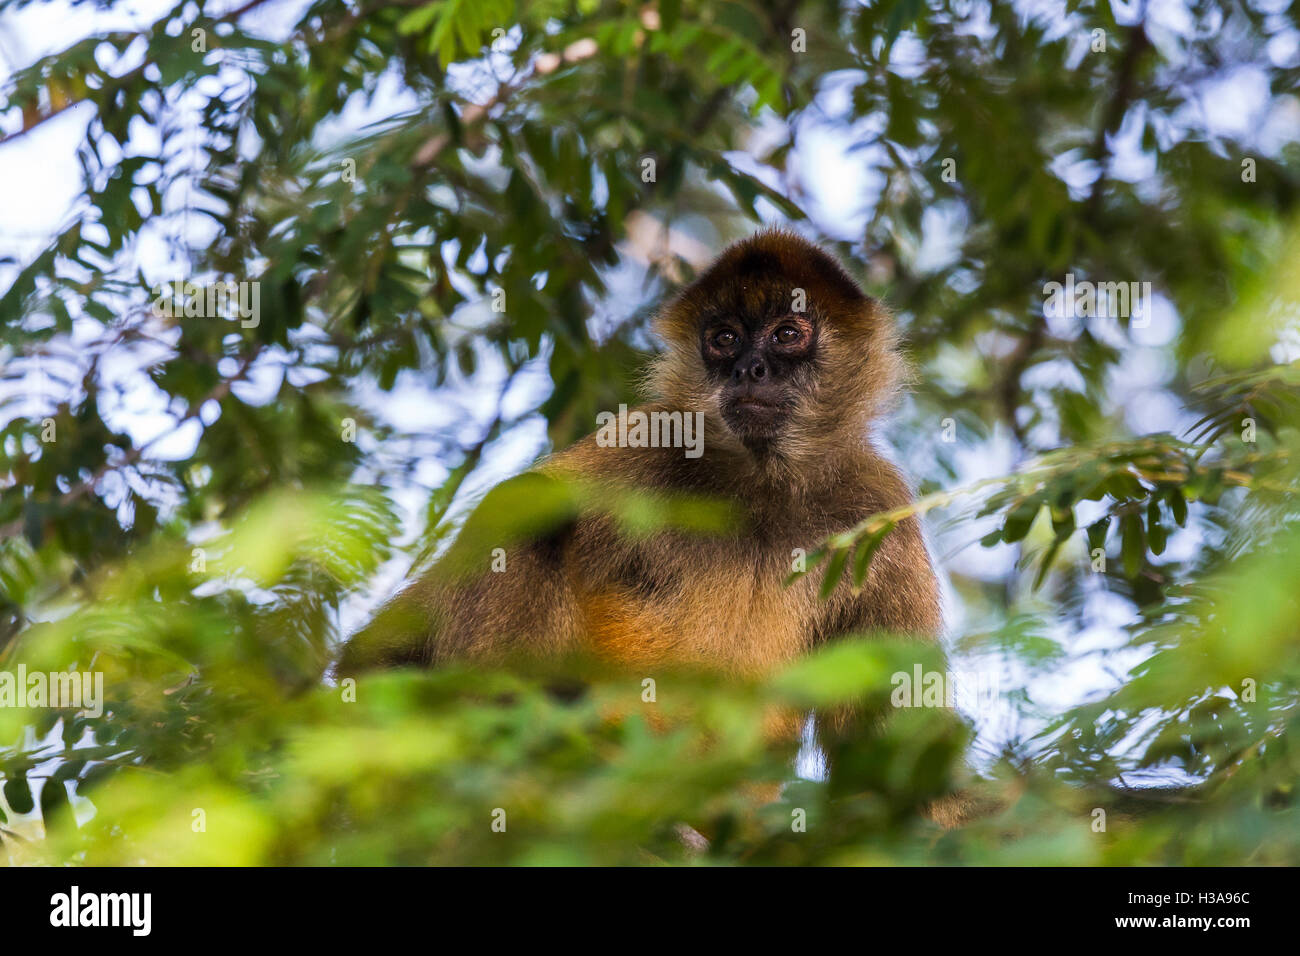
(789,364)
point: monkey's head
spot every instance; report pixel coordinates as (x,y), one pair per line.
(779,347)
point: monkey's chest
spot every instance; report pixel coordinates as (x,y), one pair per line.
(708,602)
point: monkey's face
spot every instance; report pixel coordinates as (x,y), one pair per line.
(763,365)
(781,349)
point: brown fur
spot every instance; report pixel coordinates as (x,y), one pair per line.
(678,598)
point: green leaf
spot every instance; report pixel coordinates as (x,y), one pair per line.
(865,551)
(1045,564)
(1133,550)
(834,571)
(1097,533)
(1178,505)
(1019,520)
(419,19)
(54,803)
(18,793)
(1062,521)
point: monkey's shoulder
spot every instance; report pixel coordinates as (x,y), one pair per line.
(640,449)
(869,485)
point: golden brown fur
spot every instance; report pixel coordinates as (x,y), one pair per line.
(680,598)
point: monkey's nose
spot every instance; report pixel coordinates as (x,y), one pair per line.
(756,370)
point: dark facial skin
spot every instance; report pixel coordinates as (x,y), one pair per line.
(760,363)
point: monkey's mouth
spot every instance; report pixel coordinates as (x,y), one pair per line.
(751,417)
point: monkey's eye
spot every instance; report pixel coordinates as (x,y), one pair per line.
(724,339)
(786,335)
